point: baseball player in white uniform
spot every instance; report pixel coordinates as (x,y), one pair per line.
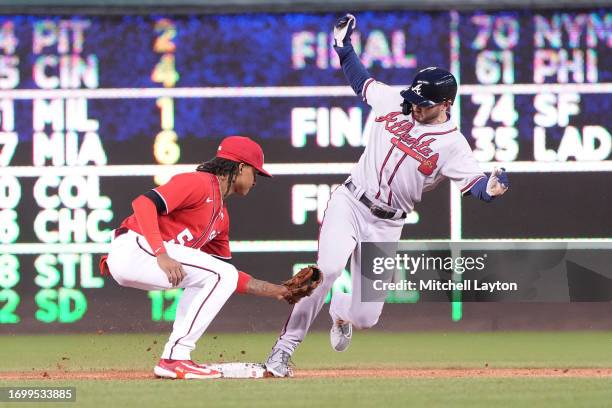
(413,146)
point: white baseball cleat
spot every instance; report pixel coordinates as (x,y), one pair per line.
(340,335)
(277,363)
(184,369)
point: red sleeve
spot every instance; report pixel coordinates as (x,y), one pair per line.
(219,246)
(185,190)
(146,215)
(243,280)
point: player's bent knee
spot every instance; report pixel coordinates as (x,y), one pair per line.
(228,277)
(330,270)
(364,322)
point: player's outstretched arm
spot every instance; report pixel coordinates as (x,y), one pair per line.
(302,284)
(266,289)
(496,185)
(352,67)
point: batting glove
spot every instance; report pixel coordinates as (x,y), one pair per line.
(498,182)
(343,29)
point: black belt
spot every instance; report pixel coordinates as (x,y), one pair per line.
(375,209)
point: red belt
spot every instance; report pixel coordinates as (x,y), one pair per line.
(104,266)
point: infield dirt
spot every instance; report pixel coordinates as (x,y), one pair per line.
(345,373)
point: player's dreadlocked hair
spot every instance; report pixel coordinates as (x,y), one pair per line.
(221,167)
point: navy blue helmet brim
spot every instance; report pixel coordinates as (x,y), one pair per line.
(415,98)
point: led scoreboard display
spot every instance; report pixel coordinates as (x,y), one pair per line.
(95,110)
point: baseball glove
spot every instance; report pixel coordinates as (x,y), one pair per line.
(302,284)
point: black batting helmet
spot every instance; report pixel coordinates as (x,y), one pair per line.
(431,86)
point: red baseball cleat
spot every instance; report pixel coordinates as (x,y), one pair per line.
(184,369)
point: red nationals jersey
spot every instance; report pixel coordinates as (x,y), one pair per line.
(192,213)
(219,245)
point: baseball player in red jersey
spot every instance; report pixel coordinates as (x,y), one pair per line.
(178,237)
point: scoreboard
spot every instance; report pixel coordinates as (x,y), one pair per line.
(95,110)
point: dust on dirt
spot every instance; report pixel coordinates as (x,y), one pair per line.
(486,372)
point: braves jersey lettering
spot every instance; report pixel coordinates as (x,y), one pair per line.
(428,164)
(414,145)
(400,128)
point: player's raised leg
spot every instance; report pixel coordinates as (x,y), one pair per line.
(350,311)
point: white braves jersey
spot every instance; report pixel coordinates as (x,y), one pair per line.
(404,158)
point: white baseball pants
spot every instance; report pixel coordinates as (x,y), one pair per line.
(207,285)
(347,223)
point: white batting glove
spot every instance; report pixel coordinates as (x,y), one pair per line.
(343,29)
(498,182)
